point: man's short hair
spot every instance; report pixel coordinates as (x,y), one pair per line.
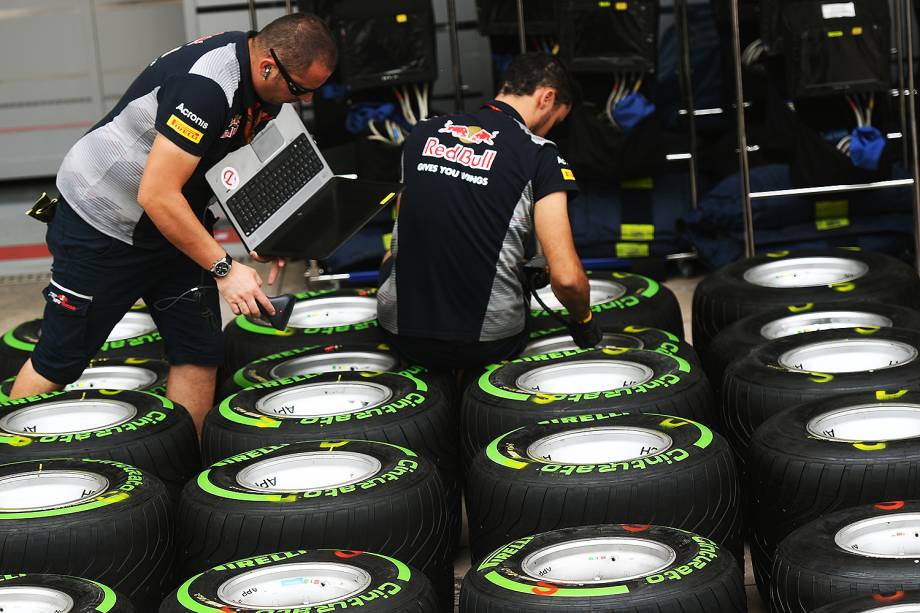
(529,71)
(299,39)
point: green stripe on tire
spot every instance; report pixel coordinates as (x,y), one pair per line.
(108,598)
(578,592)
(10,339)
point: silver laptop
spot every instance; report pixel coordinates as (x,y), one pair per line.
(263,184)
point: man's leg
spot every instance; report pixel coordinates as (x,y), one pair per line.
(192,386)
(28,383)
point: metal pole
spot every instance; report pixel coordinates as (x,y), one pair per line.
(914,161)
(899,49)
(742,137)
(687,85)
(455,53)
(288,7)
(521,33)
(253,22)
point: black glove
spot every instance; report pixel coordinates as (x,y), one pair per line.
(586,335)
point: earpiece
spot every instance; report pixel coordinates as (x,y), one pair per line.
(265,72)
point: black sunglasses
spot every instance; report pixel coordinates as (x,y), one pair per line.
(296,90)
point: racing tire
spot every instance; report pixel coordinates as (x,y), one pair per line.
(108,522)
(876,603)
(738,339)
(135,336)
(384,584)
(634,337)
(602,468)
(782,278)
(815,458)
(22,592)
(790,371)
(505,397)
(812,570)
(618,299)
(141,429)
(311,359)
(139,374)
(327,317)
(395,506)
(701,578)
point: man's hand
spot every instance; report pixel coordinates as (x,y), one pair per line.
(277,265)
(586,334)
(241,289)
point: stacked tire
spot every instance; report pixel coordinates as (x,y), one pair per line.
(609,567)
(344,494)
(319,318)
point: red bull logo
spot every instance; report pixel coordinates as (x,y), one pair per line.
(465,156)
(469,135)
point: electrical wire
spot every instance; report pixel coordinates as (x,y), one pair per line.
(621,89)
(752,53)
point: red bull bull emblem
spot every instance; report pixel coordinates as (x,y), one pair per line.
(470,135)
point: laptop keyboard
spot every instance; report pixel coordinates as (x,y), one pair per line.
(274,185)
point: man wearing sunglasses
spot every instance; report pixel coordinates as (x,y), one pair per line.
(132,222)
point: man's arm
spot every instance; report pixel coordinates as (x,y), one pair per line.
(567,277)
(167,170)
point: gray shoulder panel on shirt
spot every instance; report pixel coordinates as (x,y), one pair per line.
(221,66)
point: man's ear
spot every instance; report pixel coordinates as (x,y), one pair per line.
(547,98)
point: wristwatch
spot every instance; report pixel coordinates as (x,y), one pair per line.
(221,268)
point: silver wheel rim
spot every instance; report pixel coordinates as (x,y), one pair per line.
(599,445)
(68,417)
(305,472)
(805,272)
(896,608)
(584,377)
(564,342)
(49,489)
(114,378)
(598,560)
(601,292)
(890,536)
(331,312)
(294,585)
(828,320)
(34,599)
(345,361)
(869,422)
(131,325)
(324,399)
(848,355)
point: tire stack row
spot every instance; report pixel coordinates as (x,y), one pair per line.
(592,481)
(817,355)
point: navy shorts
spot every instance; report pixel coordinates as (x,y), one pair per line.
(96,279)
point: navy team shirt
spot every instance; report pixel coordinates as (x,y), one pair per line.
(200,96)
(465,221)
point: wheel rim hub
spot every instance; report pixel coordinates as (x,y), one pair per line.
(68,417)
(34,599)
(814,322)
(600,560)
(324,399)
(599,445)
(601,292)
(114,378)
(48,489)
(346,361)
(806,272)
(896,608)
(131,325)
(584,377)
(304,472)
(564,342)
(331,312)
(848,355)
(889,536)
(870,422)
(294,585)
